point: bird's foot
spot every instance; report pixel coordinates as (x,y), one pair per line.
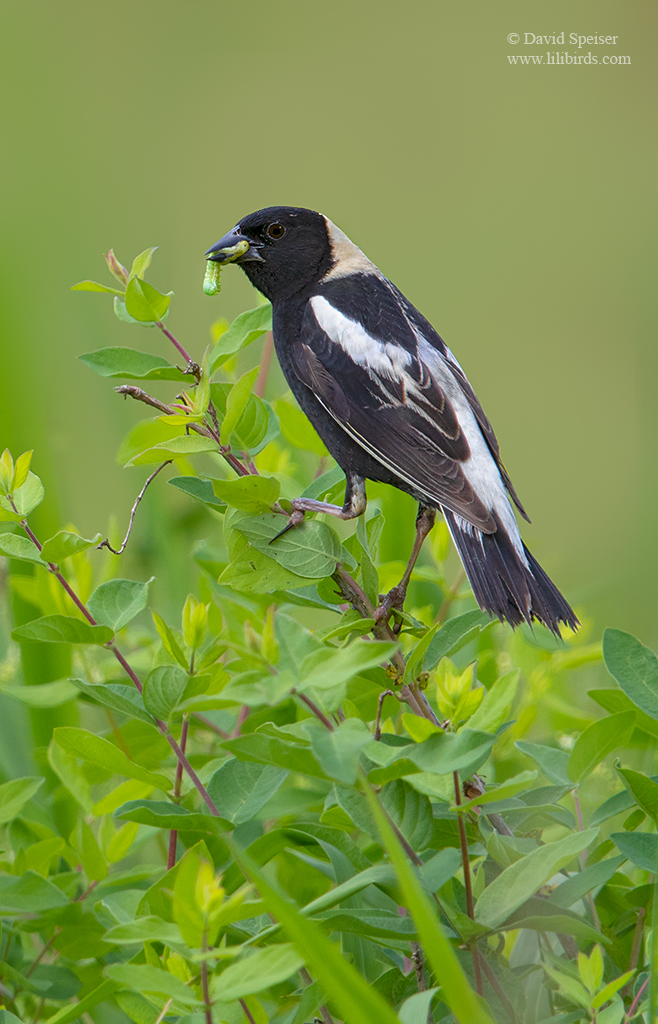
(296,518)
(393,601)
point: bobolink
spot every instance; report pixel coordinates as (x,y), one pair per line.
(391,403)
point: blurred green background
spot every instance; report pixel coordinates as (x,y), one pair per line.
(514,205)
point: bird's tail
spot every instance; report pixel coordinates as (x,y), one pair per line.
(506,584)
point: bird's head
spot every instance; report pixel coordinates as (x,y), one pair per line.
(282,249)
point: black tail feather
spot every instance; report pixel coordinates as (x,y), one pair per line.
(503,585)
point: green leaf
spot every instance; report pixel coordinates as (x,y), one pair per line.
(61,629)
(88,1002)
(504,791)
(144,929)
(539,915)
(310,550)
(325,668)
(145,978)
(265,967)
(338,752)
(117,602)
(597,741)
(263,749)
(410,811)
(297,429)
(254,573)
(246,327)
(29,894)
(454,635)
(640,847)
(14,795)
(457,992)
(635,668)
(521,880)
(239,789)
(614,700)
(569,892)
(356,1000)
(118,696)
(65,544)
(25,498)
(84,841)
(251,494)
(145,435)
(131,364)
(94,286)
(552,761)
(199,488)
(144,302)
(176,448)
(43,695)
(441,753)
(142,262)
(163,688)
(159,814)
(89,747)
(608,991)
(496,703)
(14,546)
(169,641)
(415,1009)
(643,789)
(236,403)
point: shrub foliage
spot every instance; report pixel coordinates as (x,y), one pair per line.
(279,806)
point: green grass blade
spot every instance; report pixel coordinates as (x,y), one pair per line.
(456,990)
(356,1000)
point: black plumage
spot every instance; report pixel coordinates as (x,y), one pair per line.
(391,402)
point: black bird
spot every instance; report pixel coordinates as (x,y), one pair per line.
(391,403)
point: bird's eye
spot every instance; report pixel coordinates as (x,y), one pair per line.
(276,231)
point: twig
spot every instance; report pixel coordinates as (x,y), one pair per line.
(446,604)
(207,724)
(245,1010)
(636,1002)
(241,719)
(41,954)
(175,342)
(132,391)
(265,363)
(382,697)
(583,858)
(496,986)
(173,835)
(418,960)
(207,1005)
(635,949)
(308,980)
(132,675)
(105,543)
(320,715)
(164,1011)
(468,886)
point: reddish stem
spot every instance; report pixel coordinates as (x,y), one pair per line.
(174,341)
(470,906)
(173,835)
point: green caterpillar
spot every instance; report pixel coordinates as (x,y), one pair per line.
(211,282)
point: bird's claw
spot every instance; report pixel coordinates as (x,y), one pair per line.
(296,518)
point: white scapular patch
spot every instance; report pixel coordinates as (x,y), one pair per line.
(348,258)
(383,358)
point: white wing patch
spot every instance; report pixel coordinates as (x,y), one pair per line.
(387,360)
(383,358)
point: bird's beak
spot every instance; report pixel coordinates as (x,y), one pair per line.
(234,248)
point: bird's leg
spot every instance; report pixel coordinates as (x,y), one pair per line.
(354,505)
(395,597)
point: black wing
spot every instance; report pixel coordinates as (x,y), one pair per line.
(379,390)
